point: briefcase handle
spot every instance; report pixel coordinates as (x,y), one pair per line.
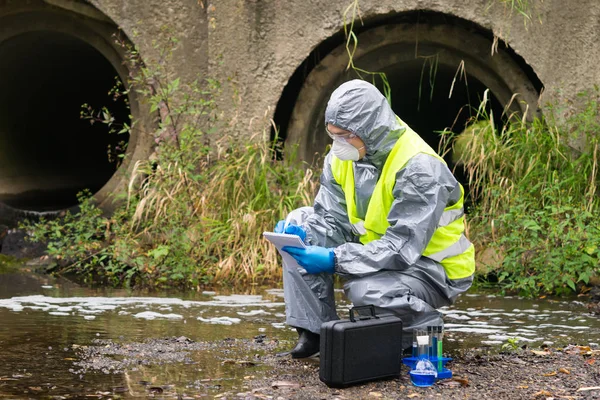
(369,307)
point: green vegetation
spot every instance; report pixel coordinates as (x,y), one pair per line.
(351,13)
(524,8)
(8,264)
(511,345)
(536,198)
(195,212)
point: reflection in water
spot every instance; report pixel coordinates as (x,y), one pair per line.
(44,324)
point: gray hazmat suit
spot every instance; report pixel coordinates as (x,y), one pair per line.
(390,272)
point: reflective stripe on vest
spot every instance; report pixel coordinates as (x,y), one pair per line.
(448,245)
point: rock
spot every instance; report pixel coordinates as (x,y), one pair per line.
(16,244)
(3,232)
(489,260)
(595,294)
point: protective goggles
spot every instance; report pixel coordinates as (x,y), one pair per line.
(340,138)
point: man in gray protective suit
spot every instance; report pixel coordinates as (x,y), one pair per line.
(388,219)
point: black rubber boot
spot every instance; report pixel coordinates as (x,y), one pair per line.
(308,344)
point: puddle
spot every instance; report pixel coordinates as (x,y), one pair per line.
(45,324)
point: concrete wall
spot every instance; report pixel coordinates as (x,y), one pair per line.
(261,43)
(272,54)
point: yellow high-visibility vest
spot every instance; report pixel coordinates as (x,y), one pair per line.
(448,245)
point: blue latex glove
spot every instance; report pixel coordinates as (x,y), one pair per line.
(314,259)
(290,229)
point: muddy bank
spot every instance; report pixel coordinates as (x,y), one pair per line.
(572,372)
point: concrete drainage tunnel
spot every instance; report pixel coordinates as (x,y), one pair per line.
(438,68)
(52,62)
(48,153)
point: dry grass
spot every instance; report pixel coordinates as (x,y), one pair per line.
(242,192)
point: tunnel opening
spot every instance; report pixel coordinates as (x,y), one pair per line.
(48,153)
(431,99)
(291,91)
(438,67)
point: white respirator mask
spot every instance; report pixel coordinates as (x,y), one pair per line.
(345,151)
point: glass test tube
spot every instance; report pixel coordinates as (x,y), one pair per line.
(423,343)
(415,348)
(434,342)
(429,354)
(440,366)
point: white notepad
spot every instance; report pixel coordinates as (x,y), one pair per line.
(281,240)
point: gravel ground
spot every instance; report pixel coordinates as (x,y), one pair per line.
(569,373)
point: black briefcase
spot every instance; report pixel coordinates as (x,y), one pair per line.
(363,348)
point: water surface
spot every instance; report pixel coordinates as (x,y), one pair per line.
(44,322)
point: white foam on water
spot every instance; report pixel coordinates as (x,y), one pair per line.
(472,313)
(485,314)
(473,330)
(85,311)
(47,287)
(103,307)
(220,320)
(457,316)
(58,313)
(16,307)
(153,315)
(563,326)
(109,303)
(89,317)
(253,312)
(278,325)
(524,339)
(97,305)
(524,330)
(451,325)
(500,338)
(491,342)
